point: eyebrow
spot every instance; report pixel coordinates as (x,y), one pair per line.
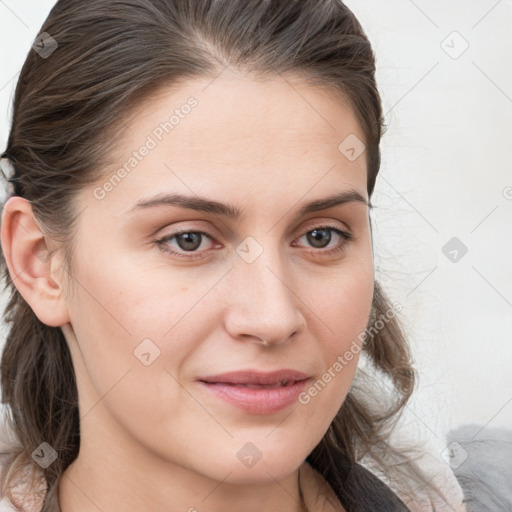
(232,212)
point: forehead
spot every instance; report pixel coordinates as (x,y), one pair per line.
(232,107)
(236,132)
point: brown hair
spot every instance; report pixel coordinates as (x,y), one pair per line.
(69,111)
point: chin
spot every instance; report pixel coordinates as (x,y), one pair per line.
(250,465)
(262,472)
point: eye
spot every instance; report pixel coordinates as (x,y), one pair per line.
(187,241)
(321,236)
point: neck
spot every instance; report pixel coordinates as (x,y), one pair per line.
(113,475)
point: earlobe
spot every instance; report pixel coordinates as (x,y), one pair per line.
(28,259)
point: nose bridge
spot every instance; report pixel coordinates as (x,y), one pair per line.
(264,304)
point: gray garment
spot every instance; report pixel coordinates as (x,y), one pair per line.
(482,464)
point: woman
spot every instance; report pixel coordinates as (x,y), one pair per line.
(189,255)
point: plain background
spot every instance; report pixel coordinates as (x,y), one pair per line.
(445,76)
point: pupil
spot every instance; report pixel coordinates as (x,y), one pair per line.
(189,241)
(318,234)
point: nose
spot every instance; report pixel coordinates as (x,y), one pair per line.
(264,304)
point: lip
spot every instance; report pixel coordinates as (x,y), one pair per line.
(233,387)
(255,377)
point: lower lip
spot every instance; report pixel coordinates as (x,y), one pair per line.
(257,400)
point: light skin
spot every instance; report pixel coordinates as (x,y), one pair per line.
(151,437)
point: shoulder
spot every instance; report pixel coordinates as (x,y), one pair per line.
(8,448)
(439,474)
(23,495)
(358,491)
(6,455)
(482,462)
(27,490)
(371,493)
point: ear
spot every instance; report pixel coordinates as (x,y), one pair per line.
(33,270)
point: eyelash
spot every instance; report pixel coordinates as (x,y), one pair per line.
(162,242)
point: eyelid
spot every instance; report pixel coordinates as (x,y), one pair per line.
(326,222)
(188,226)
(311,224)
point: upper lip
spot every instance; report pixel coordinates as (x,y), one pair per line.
(256,377)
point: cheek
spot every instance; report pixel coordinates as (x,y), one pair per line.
(344,310)
(346,305)
(125,367)
(321,401)
(127,297)
(126,315)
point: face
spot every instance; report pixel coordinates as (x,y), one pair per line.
(167,295)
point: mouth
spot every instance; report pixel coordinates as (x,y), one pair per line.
(257,378)
(280,384)
(257,392)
